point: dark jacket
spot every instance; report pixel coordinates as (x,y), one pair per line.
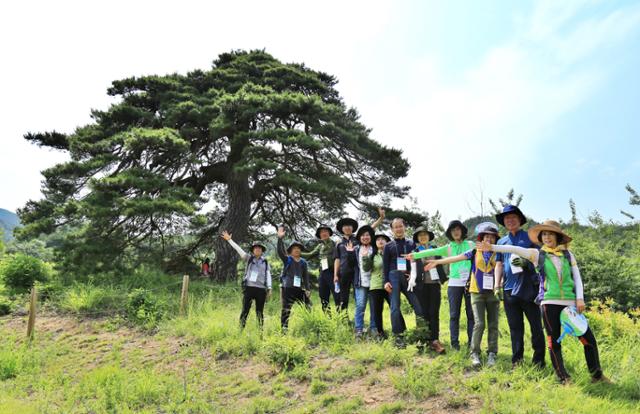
(292,268)
(392,250)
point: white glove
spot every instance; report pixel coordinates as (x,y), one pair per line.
(412,282)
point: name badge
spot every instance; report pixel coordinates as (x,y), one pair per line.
(253,277)
(324,263)
(297,281)
(487,281)
(402,264)
(434,274)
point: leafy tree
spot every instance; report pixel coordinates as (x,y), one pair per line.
(251,142)
(511,198)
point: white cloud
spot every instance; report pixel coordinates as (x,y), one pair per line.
(499,110)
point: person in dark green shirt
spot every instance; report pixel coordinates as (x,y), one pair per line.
(324,251)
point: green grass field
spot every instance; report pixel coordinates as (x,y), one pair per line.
(203,363)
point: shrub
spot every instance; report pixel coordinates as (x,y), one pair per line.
(19,272)
(285,352)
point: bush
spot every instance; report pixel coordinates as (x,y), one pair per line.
(5,306)
(144,308)
(19,272)
(285,352)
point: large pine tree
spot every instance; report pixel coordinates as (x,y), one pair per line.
(253,140)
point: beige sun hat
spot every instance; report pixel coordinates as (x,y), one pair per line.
(548,225)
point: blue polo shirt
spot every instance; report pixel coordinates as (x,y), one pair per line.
(520,239)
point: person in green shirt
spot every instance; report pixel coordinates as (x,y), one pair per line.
(458,275)
(324,251)
(377,294)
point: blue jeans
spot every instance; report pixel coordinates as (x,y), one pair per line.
(399,284)
(362,296)
(456,295)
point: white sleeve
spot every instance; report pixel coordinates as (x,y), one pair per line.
(577,279)
(414,270)
(268,276)
(529,254)
(238,249)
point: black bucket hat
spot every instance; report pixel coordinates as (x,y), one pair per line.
(383,235)
(452,225)
(294,244)
(344,221)
(510,209)
(323,227)
(422,229)
(258,244)
(366,229)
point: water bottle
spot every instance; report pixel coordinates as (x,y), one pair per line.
(337,287)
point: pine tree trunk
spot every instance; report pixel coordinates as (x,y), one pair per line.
(235,222)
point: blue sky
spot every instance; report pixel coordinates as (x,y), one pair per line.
(539,96)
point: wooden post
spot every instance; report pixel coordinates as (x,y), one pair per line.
(32,313)
(184,297)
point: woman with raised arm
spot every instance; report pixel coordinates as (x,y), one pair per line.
(560,287)
(256,283)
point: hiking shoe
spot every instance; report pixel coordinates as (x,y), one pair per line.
(475,360)
(491,360)
(399,342)
(358,335)
(437,347)
(601,379)
(455,346)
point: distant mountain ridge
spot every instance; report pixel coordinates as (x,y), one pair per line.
(8,222)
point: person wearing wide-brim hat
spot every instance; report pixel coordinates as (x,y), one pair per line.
(256,282)
(511,209)
(482,288)
(377,294)
(427,286)
(560,287)
(364,254)
(456,232)
(453,224)
(519,282)
(343,268)
(324,251)
(295,282)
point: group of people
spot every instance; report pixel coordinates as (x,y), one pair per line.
(533,273)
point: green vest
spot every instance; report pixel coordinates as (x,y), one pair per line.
(558,287)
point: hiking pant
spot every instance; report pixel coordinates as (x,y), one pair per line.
(345,288)
(489,304)
(290,296)
(429,295)
(516,309)
(551,317)
(326,289)
(399,284)
(250,294)
(456,294)
(377,297)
